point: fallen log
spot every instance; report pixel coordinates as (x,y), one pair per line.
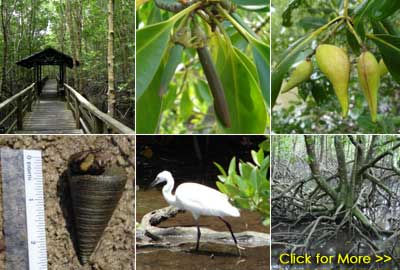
(149,235)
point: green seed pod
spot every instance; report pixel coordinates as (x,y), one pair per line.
(383,70)
(335,64)
(217,90)
(301,73)
(369,76)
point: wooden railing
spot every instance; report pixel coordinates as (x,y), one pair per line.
(90,118)
(15,108)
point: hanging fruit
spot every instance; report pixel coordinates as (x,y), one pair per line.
(301,73)
(335,64)
(369,76)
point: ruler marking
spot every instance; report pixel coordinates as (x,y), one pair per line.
(37,249)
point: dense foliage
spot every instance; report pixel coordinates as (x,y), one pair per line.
(299,27)
(77,28)
(249,189)
(202,67)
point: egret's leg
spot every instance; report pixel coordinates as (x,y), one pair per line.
(233,236)
(198,236)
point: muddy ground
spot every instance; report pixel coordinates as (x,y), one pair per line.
(115,250)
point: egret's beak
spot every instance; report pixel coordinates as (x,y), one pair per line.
(155,182)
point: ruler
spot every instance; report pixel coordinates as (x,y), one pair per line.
(23,209)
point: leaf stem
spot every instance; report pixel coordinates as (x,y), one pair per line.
(350,24)
(311,36)
(238,27)
(346,8)
(351,29)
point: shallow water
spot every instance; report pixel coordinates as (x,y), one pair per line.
(211,256)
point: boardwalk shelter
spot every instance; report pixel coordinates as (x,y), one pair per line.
(27,112)
(51,57)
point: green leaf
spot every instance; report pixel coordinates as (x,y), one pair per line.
(223,179)
(261,54)
(352,41)
(174,58)
(260,156)
(264,8)
(242,203)
(233,191)
(265,145)
(264,167)
(390,27)
(232,167)
(255,157)
(203,91)
(220,169)
(377,10)
(242,184)
(389,46)
(254,180)
(147,119)
(245,170)
(247,108)
(152,42)
(251,2)
(169,99)
(284,64)
(222,188)
(309,23)
(186,105)
(287,14)
(155,16)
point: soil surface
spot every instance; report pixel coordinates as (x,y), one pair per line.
(116,248)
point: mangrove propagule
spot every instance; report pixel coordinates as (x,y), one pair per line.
(335,64)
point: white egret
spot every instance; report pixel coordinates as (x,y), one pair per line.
(198,199)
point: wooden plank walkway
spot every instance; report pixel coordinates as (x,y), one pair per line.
(50,114)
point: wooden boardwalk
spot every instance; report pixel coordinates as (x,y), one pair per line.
(50,114)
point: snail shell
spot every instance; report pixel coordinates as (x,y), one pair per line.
(94,199)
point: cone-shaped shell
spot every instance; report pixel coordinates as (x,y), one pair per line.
(335,64)
(94,199)
(301,73)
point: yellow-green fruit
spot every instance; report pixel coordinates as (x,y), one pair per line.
(301,73)
(382,68)
(369,76)
(335,64)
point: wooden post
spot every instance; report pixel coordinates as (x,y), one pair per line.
(98,126)
(30,100)
(77,114)
(63,78)
(40,79)
(36,79)
(19,113)
(59,80)
(68,95)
